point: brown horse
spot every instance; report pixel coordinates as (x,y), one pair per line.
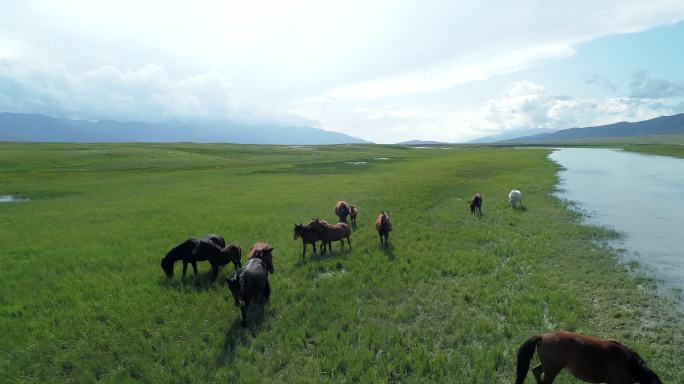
(342,211)
(587,358)
(308,234)
(217,256)
(476,204)
(353,211)
(383,225)
(330,233)
(262,251)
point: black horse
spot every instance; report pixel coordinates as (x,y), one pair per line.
(210,247)
(249,282)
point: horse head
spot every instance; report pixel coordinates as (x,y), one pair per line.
(167,266)
(234,286)
(297,231)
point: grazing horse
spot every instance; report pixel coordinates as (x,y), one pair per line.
(330,233)
(217,257)
(383,225)
(476,204)
(514,197)
(353,211)
(262,251)
(587,358)
(308,234)
(184,252)
(249,282)
(342,211)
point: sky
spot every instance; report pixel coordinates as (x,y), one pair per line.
(385,71)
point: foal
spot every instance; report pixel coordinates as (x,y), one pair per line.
(476,204)
(383,225)
(588,358)
(308,234)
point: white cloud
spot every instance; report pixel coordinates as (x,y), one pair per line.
(107,92)
(454,72)
(521,105)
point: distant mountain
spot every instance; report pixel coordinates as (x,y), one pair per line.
(663,125)
(510,135)
(421,142)
(36,127)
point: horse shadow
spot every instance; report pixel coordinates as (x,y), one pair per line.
(238,335)
(310,257)
(387,249)
(200,283)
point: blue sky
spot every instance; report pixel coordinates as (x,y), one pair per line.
(385,70)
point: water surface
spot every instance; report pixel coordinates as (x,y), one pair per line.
(640,196)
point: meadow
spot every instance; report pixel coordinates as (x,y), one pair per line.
(83,297)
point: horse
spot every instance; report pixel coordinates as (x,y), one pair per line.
(183,251)
(383,225)
(353,211)
(217,257)
(249,282)
(476,204)
(308,234)
(330,233)
(342,211)
(262,251)
(514,197)
(588,358)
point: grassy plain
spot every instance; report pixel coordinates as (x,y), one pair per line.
(82,296)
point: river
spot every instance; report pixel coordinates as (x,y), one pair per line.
(639,196)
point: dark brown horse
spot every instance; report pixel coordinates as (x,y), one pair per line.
(383,225)
(262,251)
(353,212)
(342,211)
(248,283)
(587,358)
(184,252)
(476,204)
(308,234)
(330,233)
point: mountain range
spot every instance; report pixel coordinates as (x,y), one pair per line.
(663,125)
(37,127)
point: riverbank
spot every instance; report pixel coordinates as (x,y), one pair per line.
(452,299)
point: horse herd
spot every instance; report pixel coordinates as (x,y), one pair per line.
(587,358)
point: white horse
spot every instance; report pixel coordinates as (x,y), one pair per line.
(514,198)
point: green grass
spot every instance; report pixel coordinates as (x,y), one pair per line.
(82,296)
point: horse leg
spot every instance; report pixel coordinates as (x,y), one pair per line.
(267,290)
(342,244)
(194,267)
(185,268)
(243,310)
(214,271)
(304,250)
(349,241)
(550,374)
(537,372)
(381,243)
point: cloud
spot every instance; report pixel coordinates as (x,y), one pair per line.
(601,81)
(644,86)
(520,105)
(454,72)
(107,92)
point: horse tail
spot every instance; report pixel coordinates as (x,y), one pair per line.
(524,356)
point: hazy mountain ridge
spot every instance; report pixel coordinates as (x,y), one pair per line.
(37,127)
(663,125)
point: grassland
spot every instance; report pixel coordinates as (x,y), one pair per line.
(82,296)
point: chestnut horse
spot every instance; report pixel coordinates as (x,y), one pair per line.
(476,204)
(353,211)
(588,358)
(330,233)
(262,251)
(342,211)
(383,225)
